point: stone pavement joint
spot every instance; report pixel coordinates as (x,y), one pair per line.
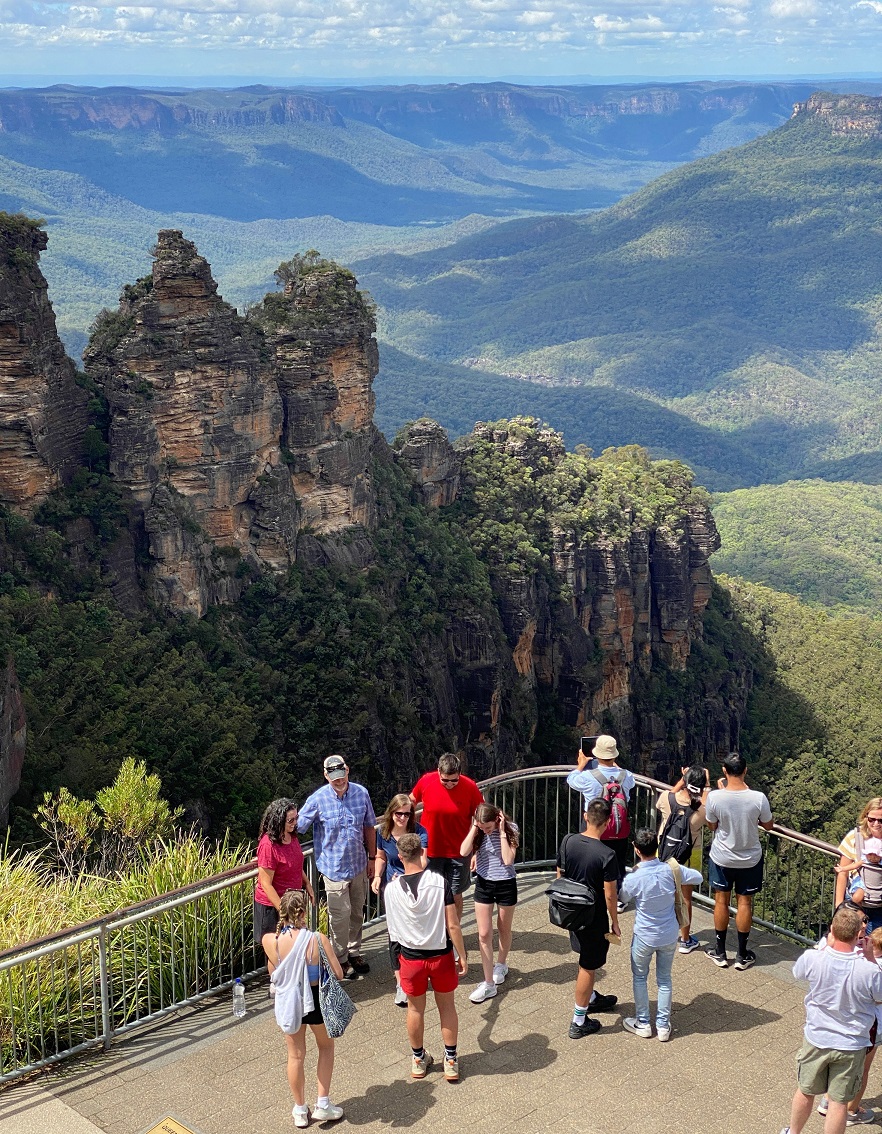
(728,1067)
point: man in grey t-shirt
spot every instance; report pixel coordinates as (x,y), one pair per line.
(735,813)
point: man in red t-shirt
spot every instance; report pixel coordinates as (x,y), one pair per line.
(449,802)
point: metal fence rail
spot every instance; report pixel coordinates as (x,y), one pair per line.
(84,986)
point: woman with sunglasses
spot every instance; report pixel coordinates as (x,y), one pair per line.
(398,819)
(869,826)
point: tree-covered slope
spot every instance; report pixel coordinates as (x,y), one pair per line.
(818,541)
(742,292)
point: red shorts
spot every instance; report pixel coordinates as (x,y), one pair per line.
(440,971)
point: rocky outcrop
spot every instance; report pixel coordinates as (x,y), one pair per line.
(844,115)
(42,410)
(424,448)
(13,735)
(195,430)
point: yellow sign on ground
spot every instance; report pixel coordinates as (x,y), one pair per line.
(169,1126)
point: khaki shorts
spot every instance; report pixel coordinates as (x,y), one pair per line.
(824,1071)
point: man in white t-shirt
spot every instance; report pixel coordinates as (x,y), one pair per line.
(735,813)
(840,1008)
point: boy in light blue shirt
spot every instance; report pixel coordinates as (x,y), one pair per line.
(652,888)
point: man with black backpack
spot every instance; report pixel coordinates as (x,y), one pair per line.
(584,859)
(599,777)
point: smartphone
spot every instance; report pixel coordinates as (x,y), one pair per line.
(588,743)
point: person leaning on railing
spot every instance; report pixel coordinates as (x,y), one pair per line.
(869,825)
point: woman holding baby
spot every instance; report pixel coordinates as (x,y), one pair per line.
(859,873)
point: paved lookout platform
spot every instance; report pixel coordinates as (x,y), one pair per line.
(728,1068)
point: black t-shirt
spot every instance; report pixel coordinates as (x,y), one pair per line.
(592,863)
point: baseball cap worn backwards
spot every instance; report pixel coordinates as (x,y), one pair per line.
(335,768)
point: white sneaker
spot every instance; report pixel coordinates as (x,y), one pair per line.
(329,1113)
(400,997)
(483,992)
(301,1118)
(630,1024)
(500,972)
(664,1034)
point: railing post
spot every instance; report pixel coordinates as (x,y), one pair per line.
(106,1024)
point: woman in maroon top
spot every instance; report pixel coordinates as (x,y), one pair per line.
(279,866)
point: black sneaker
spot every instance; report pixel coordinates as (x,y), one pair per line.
(602,1003)
(719,959)
(360,966)
(744,961)
(579,1031)
(349,972)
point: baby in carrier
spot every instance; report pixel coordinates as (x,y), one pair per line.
(867,870)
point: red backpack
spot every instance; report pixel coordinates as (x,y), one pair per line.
(618,826)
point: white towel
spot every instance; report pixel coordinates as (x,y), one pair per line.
(294,998)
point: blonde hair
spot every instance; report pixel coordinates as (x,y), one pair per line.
(876,940)
(875,804)
(292,909)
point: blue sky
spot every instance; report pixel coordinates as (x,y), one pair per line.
(364,39)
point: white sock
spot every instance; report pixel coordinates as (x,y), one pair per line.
(298,1109)
(323,1103)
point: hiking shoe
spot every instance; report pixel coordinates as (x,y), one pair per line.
(500,972)
(632,1024)
(719,959)
(451,1068)
(400,997)
(822,1107)
(744,961)
(329,1113)
(689,944)
(360,966)
(301,1119)
(664,1034)
(483,992)
(419,1067)
(602,1003)
(861,1117)
(579,1031)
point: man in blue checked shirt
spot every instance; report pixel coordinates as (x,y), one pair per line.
(345,840)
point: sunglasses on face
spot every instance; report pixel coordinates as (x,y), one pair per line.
(402,814)
(450,779)
(874,819)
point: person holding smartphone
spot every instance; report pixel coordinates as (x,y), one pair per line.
(598,774)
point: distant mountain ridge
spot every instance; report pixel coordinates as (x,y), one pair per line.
(742,293)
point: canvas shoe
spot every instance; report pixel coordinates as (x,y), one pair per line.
(301,1118)
(451,1068)
(483,992)
(664,1034)
(632,1025)
(329,1113)
(719,959)
(744,961)
(419,1067)
(500,972)
(688,945)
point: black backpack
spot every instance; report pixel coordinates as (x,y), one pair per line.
(675,840)
(570,904)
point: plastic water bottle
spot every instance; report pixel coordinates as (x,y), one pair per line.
(238,998)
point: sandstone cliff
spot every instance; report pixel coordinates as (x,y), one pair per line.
(844,115)
(42,410)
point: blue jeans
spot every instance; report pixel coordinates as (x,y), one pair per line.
(641,958)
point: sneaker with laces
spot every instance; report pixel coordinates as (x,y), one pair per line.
(329,1113)
(500,972)
(719,959)
(602,1003)
(419,1067)
(745,960)
(632,1024)
(301,1118)
(483,992)
(664,1034)
(689,944)
(579,1031)
(451,1068)
(400,997)
(860,1117)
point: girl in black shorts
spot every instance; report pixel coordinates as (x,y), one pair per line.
(493,840)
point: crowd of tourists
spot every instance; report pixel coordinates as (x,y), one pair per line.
(422,867)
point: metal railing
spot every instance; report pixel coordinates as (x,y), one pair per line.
(83,987)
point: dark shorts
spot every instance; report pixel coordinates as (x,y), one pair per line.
(455,870)
(592,949)
(503,893)
(315,1016)
(266,920)
(439,971)
(620,849)
(743,880)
